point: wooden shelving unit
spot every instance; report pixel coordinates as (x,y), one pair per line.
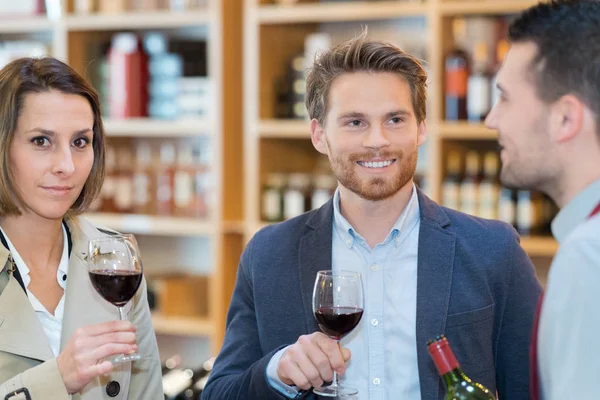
(72,36)
(146,127)
(274,33)
(465,131)
(153,225)
(138,20)
(337,11)
(284,129)
(182,326)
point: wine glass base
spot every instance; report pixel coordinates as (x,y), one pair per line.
(335,391)
(125,358)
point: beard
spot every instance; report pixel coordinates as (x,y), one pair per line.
(374,188)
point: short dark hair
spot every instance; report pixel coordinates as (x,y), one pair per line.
(37,75)
(361,55)
(567,36)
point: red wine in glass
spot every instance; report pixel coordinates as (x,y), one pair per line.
(338,305)
(336,322)
(117,287)
(115,270)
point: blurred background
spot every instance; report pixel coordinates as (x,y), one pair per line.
(203,103)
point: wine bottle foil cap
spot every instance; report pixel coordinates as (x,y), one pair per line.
(442,355)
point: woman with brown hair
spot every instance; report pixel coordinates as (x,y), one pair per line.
(55,330)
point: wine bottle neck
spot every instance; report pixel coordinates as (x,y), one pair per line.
(453,377)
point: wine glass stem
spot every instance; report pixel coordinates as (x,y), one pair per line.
(122,313)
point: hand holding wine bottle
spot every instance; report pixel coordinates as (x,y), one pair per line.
(81,359)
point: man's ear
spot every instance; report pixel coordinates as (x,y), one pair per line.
(422,133)
(317,136)
(567,118)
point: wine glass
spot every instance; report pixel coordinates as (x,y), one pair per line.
(115,269)
(338,307)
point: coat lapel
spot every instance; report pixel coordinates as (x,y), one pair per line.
(434,281)
(83,305)
(21,332)
(314,255)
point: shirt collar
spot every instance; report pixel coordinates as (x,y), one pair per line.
(409,216)
(576,211)
(63,266)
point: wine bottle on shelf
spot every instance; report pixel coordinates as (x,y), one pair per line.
(143,179)
(457,76)
(185,383)
(507,208)
(469,187)
(489,187)
(458,385)
(501,50)
(451,183)
(165,179)
(479,85)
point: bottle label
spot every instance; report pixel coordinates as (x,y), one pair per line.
(468,197)
(457,82)
(479,96)
(319,198)
(525,214)
(184,186)
(124,193)
(451,195)
(293,204)
(506,210)
(272,204)
(140,185)
(488,200)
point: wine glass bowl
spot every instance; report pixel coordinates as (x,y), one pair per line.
(338,304)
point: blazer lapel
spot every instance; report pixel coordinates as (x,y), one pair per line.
(434,280)
(21,332)
(314,255)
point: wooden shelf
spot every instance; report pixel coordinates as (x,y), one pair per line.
(539,246)
(149,127)
(465,131)
(284,129)
(152,225)
(338,11)
(182,326)
(26,24)
(136,20)
(466,7)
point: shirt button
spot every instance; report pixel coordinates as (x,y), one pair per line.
(376,381)
(348,242)
(398,241)
(375,267)
(64,277)
(374,322)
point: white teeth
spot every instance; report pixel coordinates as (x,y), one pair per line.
(376,164)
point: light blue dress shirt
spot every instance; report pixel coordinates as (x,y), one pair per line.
(384,350)
(568,358)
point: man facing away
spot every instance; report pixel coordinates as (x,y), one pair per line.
(548,119)
(426,270)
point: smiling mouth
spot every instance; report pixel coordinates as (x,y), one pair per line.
(376,164)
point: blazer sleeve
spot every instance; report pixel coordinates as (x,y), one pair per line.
(239,372)
(146,376)
(41,382)
(520,304)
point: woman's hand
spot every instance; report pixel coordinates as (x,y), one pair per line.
(81,359)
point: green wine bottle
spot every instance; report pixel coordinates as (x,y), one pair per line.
(458,385)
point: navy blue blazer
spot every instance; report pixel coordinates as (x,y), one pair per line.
(475,284)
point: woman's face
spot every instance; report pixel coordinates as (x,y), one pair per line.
(51,154)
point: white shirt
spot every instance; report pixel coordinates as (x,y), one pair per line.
(568,356)
(384,362)
(52,324)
